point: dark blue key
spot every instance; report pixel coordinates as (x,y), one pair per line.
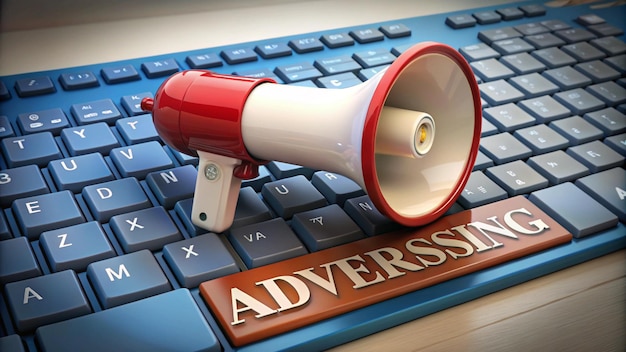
(115,197)
(343,80)
(266,242)
(159,68)
(45,212)
(336,188)
(79,171)
(170,186)
(533,10)
(374,57)
(132,103)
(140,159)
(96,111)
(137,129)
(337,40)
(46,299)
(369,219)
(149,229)
(91,138)
(283,170)
(336,65)
(28,87)
(119,74)
(39,148)
(12,343)
(609,188)
(183,158)
(292,195)
(397,30)
(20,182)
(250,208)
(297,72)
(480,190)
(204,61)
(127,278)
(273,50)
(239,55)
(51,120)
(563,203)
(6,130)
(306,45)
(461,21)
(169,321)
(510,13)
(78,80)
(75,247)
(4,92)
(183,210)
(368,35)
(5,233)
(199,259)
(258,182)
(325,227)
(17,261)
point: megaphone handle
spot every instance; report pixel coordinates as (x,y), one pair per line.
(217,191)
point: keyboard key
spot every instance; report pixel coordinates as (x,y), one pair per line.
(337,40)
(609,120)
(583,51)
(292,195)
(272,50)
(533,10)
(522,63)
(397,30)
(156,319)
(6,130)
(115,197)
(297,72)
(336,188)
(555,25)
(530,29)
(258,73)
(325,227)
(574,35)
(461,21)
(159,68)
(368,35)
(512,46)
(598,71)
(96,111)
(541,139)
(258,182)
(491,69)
(480,51)
(499,92)
(132,103)
(335,65)
(87,139)
(369,219)
(51,120)
(480,190)
(5,233)
(579,101)
(374,57)
(127,278)
(250,208)
(199,259)
(119,74)
(610,45)
(17,261)
(567,77)
(170,186)
(266,242)
(20,182)
(74,173)
(487,17)
(510,13)
(38,148)
(75,247)
(46,299)
(533,85)
(12,343)
(78,80)
(544,108)
(149,229)
(508,117)
(201,61)
(553,57)
(4,92)
(306,45)
(487,128)
(183,210)
(617,142)
(517,178)
(28,87)
(589,19)
(45,212)
(609,92)
(137,129)
(140,159)
(491,35)
(503,148)
(605,30)
(576,129)
(562,203)
(482,162)
(368,73)
(607,187)
(558,167)
(343,80)
(544,40)
(596,156)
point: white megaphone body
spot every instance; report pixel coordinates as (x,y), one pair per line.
(408,136)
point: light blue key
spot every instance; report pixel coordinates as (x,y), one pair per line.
(76,246)
(140,159)
(150,229)
(74,173)
(167,322)
(38,148)
(127,278)
(199,259)
(170,186)
(115,197)
(46,299)
(137,129)
(87,139)
(17,261)
(45,212)
(96,111)
(20,182)
(132,103)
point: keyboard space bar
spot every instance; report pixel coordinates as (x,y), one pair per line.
(167,322)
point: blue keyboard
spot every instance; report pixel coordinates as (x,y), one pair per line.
(95,229)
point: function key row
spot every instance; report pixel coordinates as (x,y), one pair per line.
(489,17)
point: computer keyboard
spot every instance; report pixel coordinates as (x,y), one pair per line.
(96,241)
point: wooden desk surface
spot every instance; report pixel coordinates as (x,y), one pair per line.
(582,308)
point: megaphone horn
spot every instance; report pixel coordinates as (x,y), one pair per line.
(408,136)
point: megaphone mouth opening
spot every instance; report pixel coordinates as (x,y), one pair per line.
(435,86)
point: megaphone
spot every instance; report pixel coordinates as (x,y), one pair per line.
(408,136)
